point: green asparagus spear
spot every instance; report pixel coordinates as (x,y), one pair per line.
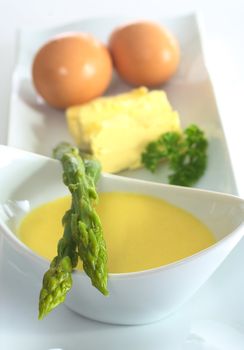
(86,225)
(57,281)
(83,233)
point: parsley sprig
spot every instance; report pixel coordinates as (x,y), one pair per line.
(186,153)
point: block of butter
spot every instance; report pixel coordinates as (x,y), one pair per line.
(116,129)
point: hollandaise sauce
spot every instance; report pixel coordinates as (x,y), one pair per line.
(141,232)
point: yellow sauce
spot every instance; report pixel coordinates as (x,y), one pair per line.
(141,232)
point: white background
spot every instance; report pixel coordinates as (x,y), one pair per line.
(224,46)
(223,37)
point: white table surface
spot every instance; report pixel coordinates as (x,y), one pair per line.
(223,38)
(224,43)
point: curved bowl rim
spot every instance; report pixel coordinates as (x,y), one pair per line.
(24,250)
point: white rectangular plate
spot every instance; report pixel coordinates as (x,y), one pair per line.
(213,319)
(37,127)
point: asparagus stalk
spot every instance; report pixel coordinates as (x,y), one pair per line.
(83,234)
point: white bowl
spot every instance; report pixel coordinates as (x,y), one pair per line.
(28,180)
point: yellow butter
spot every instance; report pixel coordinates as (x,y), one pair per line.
(116,129)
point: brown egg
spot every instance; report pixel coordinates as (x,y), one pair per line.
(144,53)
(71,69)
